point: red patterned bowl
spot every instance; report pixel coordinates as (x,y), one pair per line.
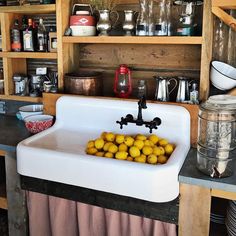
(38,123)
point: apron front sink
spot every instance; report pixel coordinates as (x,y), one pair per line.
(58,154)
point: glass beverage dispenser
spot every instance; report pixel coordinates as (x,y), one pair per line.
(217,136)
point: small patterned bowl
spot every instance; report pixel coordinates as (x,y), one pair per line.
(38,123)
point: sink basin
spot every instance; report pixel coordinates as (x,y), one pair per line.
(58,153)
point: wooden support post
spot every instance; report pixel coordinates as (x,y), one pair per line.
(194,211)
(17,211)
(207,42)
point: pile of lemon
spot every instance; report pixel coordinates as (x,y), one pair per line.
(140,148)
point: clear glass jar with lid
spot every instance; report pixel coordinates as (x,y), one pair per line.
(217,135)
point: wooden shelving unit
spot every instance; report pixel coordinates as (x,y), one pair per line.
(69,47)
(134,40)
(15,62)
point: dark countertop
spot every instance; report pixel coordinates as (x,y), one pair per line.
(189,174)
(12,131)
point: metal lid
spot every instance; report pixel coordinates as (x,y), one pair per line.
(220,103)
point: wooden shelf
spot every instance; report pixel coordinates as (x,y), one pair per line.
(225,4)
(21,98)
(134,40)
(39,55)
(3,198)
(29,9)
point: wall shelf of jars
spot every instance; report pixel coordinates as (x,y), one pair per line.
(135,40)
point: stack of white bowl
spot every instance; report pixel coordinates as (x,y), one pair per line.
(29,110)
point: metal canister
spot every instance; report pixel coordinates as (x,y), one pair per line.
(217,136)
(21,84)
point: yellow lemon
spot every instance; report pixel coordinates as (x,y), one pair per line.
(157,151)
(162,159)
(103,135)
(169,148)
(106,146)
(140,137)
(154,138)
(99,154)
(148,143)
(129,141)
(109,155)
(147,150)
(162,150)
(99,143)
(152,159)
(110,137)
(113,148)
(129,158)
(121,155)
(120,138)
(163,142)
(139,144)
(141,159)
(123,147)
(90,144)
(91,151)
(134,151)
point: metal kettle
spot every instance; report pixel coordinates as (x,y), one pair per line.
(183,94)
(162,88)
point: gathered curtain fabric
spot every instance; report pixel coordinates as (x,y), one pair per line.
(53,216)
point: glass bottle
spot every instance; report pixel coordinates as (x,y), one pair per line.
(15,37)
(151,25)
(194,94)
(142,89)
(28,37)
(142,20)
(161,23)
(169,5)
(41,37)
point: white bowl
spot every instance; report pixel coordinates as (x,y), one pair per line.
(223,76)
(29,110)
(80,30)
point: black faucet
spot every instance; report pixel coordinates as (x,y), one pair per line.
(139,121)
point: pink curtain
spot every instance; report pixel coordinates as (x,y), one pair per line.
(52,216)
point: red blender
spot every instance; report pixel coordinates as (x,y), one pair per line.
(122,84)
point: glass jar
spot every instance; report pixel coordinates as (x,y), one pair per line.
(142,20)
(161,22)
(217,135)
(186,11)
(141,89)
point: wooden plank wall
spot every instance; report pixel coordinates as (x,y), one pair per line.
(145,61)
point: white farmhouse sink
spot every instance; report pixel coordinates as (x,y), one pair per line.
(58,154)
